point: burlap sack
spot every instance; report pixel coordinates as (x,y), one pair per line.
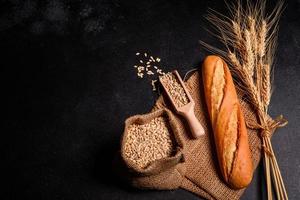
(162,173)
(198,172)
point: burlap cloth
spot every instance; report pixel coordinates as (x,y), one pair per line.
(198,172)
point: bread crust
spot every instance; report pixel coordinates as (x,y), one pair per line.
(230,133)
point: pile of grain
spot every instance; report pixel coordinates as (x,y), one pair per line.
(175,90)
(148,142)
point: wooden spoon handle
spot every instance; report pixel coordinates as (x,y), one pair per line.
(195,126)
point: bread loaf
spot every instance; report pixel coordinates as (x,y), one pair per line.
(230,133)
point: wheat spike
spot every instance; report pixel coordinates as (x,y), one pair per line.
(234,60)
(253,36)
(252,27)
(261,53)
(266,85)
(262,39)
(249,55)
(237,31)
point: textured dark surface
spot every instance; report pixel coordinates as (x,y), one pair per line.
(69,85)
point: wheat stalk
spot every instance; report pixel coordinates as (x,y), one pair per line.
(249,37)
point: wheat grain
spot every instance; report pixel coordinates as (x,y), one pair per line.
(148,142)
(174,89)
(153,85)
(148,67)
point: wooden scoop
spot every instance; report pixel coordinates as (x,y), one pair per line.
(187,110)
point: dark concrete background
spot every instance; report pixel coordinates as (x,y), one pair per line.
(68,86)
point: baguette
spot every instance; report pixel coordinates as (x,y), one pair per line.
(230,133)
